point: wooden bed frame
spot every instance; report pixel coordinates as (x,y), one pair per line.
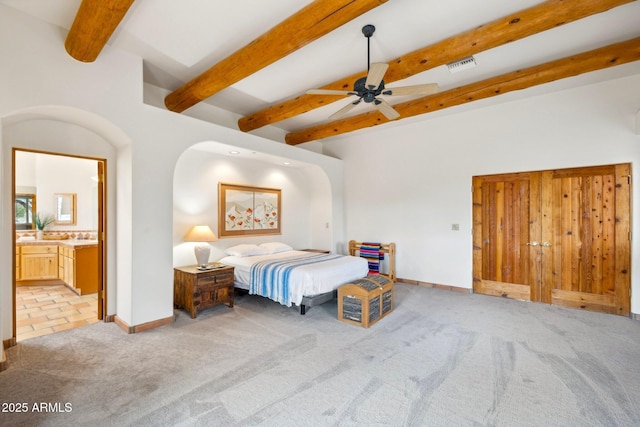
(387,248)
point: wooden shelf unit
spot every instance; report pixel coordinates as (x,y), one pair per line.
(387,248)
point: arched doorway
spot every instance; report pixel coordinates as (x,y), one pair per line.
(59,275)
(70,132)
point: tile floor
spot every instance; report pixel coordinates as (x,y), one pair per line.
(42,310)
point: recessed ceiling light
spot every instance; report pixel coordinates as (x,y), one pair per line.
(234,152)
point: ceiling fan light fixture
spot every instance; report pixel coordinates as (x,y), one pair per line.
(462,64)
(368,88)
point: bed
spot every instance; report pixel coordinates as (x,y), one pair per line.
(287,276)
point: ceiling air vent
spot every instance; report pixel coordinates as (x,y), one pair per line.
(462,64)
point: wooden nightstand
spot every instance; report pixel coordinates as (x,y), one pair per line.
(196,290)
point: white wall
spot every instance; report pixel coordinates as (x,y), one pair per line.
(195,190)
(60,174)
(25,173)
(42,86)
(423,171)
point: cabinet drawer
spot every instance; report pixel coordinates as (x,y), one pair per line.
(218,279)
(37,249)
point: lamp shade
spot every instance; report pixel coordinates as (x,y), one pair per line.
(201,233)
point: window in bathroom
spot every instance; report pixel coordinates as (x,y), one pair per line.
(25,207)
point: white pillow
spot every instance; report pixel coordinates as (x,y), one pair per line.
(275,247)
(246,250)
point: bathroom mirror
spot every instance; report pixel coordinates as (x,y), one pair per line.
(65,208)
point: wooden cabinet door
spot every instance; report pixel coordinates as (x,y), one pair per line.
(39,266)
(505,222)
(585,238)
(559,237)
(69,269)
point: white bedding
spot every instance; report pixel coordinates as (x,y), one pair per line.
(306,280)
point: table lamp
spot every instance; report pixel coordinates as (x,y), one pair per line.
(203,234)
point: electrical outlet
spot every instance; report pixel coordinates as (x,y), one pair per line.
(455,227)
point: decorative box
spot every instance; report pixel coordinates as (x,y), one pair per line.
(365,301)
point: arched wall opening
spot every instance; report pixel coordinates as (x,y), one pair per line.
(306,197)
(73,132)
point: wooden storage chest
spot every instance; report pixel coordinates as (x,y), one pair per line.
(196,290)
(365,301)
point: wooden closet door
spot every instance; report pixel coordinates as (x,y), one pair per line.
(585,238)
(559,237)
(505,225)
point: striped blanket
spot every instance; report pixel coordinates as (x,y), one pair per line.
(271,279)
(373,254)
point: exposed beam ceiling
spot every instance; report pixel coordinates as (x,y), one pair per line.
(313,21)
(95,22)
(256,74)
(608,56)
(542,17)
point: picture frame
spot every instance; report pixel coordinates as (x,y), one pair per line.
(248,211)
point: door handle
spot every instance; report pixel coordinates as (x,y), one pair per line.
(534,243)
(546,244)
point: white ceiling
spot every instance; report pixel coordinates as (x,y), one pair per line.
(178,40)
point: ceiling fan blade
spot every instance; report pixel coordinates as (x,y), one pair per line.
(329,92)
(344,110)
(425,89)
(375,75)
(385,108)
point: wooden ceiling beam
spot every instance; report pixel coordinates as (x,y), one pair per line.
(95,22)
(542,17)
(605,57)
(308,24)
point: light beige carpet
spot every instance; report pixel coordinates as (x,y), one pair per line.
(439,359)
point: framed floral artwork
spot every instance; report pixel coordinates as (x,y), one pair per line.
(246,210)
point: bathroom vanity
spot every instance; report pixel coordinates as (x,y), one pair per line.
(74,262)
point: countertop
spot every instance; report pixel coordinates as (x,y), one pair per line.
(68,242)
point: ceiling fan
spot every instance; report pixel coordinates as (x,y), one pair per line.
(368,88)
